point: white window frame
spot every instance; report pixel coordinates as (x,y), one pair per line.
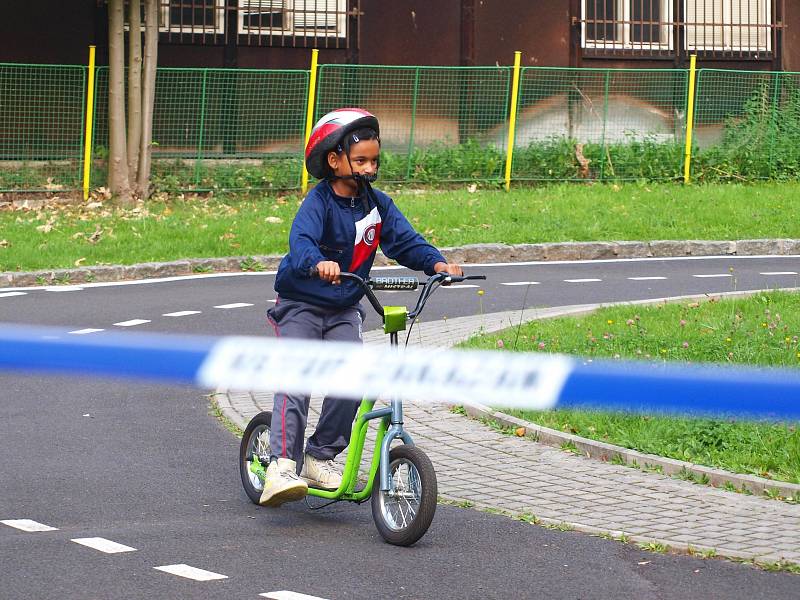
(288,23)
(624,41)
(218,27)
(727,30)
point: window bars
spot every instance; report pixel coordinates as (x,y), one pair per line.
(652,28)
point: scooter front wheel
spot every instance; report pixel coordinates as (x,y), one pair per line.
(404,512)
(254,455)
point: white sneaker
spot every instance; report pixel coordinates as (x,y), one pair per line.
(322,474)
(282,483)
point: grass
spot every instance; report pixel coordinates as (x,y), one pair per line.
(761,330)
(171,227)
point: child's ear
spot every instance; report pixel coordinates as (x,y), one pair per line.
(333,160)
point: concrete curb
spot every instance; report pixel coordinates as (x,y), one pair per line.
(607,452)
(472,253)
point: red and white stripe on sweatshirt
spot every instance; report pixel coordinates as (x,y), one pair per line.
(368,236)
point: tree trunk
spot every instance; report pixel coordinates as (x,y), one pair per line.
(148,96)
(134,87)
(118,180)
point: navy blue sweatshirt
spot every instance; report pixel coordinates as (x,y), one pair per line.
(332,227)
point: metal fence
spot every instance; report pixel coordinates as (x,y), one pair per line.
(217,129)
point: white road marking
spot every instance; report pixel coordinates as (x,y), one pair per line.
(274,300)
(190,572)
(103,545)
(233,305)
(456,286)
(9,294)
(711,275)
(779,273)
(64,288)
(85,331)
(646,278)
(28,525)
(132,323)
(521,283)
(582,280)
(285,595)
(182,313)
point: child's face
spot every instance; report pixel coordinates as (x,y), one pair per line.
(364,158)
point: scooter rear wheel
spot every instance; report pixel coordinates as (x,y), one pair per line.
(255,445)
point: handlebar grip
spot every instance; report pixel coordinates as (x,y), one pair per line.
(394,283)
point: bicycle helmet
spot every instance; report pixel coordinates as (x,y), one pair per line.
(328,133)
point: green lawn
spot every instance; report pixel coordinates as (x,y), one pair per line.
(761,330)
(173,228)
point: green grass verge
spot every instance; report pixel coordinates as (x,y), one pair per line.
(761,330)
(174,227)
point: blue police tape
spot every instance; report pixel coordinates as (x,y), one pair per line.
(502,379)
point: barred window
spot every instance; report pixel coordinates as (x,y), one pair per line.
(313,18)
(711,26)
(193,16)
(728,24)
(632,24)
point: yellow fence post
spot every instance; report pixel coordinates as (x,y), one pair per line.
(312,88)
(512,123)
(87,145)
(687,163)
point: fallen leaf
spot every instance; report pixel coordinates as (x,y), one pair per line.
(273,220)
(5,244)
(519,432)
(472,188)
(644,562)
(80,261)
(95,237)
(46,228)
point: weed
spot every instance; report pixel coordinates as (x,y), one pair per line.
(654,546)
(458,410)
(570,447)
(251,264)
(202,269)
(528,518)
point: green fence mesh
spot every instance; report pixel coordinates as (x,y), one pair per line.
(599,124)
(747,125)
(221,129)
(41,126)
(236,129)
(437,123)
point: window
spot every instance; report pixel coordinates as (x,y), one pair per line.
(728,25)
(193,16)
(627,24)
(316,18)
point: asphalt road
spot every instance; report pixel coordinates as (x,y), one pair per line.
(148,467)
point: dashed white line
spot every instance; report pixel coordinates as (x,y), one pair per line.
(28,525)
(64,288)
(520,283)
(582,280)
(459,286)
(9,294)
(85,331)
(285,595)
(779,273)
(654,278)
(132,323)
(711,275)
(103,545)
(190,572)
(233,305)
(182,313)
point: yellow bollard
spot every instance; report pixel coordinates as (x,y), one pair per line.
(687,163)
(512,123)
(87,145)
(312,88)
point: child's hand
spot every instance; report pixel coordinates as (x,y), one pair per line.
(449,268)
(329,271)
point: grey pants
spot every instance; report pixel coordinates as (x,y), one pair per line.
(296,319)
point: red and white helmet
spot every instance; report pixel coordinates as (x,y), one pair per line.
(329,132)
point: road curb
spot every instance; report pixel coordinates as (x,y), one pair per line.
(472,253)
(607,452)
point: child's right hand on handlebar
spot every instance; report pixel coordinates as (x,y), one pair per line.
(328,270)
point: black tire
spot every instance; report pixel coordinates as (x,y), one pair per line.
(255,439)
(402,524)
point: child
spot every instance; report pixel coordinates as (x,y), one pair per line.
(337,228)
